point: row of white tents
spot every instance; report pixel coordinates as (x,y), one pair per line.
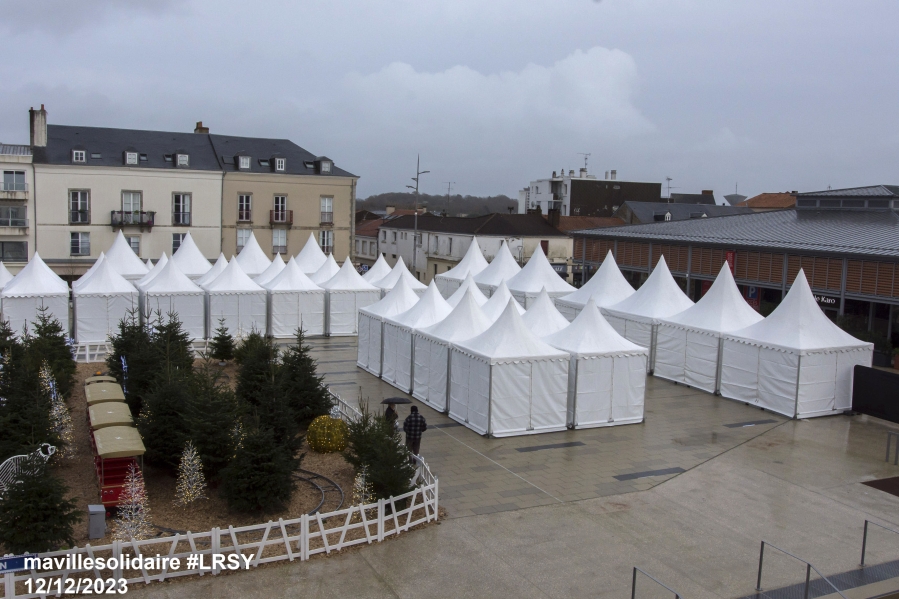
(795,362)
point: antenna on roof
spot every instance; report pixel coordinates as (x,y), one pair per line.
(587,155)
(668,181)
(449,188)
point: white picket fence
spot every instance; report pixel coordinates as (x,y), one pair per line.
(295,539)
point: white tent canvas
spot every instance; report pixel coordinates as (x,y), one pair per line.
(345,293)
(636,317)
(542,318)
(190,260)
(688,345)
(606,287)
(271,272)
(213,272)
(538,274)
(471,263)
(507,382)
(35,287)
(311,257)
(123,259)
(398,348)
(101,302)
(371,325)
(398,272)
(459,293)
(294,301)
(606,372)
(160,264)
(5,277)
(796,362)
(497,303)
(90,271)
(325,271)
(252,259)
(171,291)
(502,268)
(431,349)
(234,296)
(378,270)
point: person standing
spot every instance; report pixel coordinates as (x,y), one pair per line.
(414,425)
(391,415)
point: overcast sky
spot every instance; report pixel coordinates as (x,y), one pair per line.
(774,95)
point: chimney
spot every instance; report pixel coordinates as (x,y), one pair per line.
(614,174)
(38,122)
(571,173)
(554,175)
(553,217)
(200,128)
(390,209)
(708,192)
(583,173)
(607,175)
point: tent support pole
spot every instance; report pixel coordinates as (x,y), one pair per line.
(718,366)
(412,366)
(798,373)
(653,339)
(489,397)
(449,375)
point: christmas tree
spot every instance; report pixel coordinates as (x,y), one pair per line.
(34,512)
(161,422)
(60,417)
(133,519)
(299,382)
(222,346)
(375,445)
(49,344)
(211,414)
(191,482)
(260,477)
(132,342)
(172,343)
(363,493)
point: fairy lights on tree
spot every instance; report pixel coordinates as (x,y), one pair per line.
(60,417)
(191,484)
(133,519)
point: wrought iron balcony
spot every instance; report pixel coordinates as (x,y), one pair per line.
(280,217)
(181,219)
(127,218)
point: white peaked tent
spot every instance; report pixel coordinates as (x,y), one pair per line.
(36,286)
(432,349)
(398,272)
(606,373)
(172,291)
(326,271)
(502,268)
(311,257)
(215,271)
(235,297)
(294,301)
(398,330)
(378,271)
(100,302)
(6,276)
(796,362)
(252,259)
(606,287)
(190,260)
(160,264)
(345,293)
(83,278)
(507,382)
(542,318)
(149,265)
(636,317)
(471,263)
(497,303)
(371,325)
(459,293)
(537,274)
(271,272)
(688,345)
(123,259)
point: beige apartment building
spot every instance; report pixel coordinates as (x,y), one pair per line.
(16,205)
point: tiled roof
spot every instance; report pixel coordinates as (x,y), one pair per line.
(14,150)
(841,232)
(770,200)
(646,212)
(692,198)
(496,224)
(369,227)
(856,192)
(575,223)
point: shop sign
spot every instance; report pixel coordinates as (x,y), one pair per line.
(825,301)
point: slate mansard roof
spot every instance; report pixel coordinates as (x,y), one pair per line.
(496,225)
(207,152)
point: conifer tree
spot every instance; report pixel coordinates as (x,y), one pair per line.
(373,444)
(260,477)
(172,343)
(35,515)
(132,342)
(50,343)
(299,382)
(24,401)
(133,518)
(161,423)
(222,346)
(60,418)
(191,484)
(255,357)
(211,415)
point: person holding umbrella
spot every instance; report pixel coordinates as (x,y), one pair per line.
(390,414)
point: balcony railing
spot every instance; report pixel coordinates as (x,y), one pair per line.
(127,218)
(181,219)
(279,249)
(13,221)
(79,217)
(13,216)
(10,186)
(244,216)
(327,218)
(280,217)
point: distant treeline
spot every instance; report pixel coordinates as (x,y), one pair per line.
(457,205)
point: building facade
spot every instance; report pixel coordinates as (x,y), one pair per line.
(16,205)
(584,195)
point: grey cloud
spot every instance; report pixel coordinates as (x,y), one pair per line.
(64,17)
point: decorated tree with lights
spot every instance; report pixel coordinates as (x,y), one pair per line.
(133,519)
(363,492)
(60,417)
(191,484)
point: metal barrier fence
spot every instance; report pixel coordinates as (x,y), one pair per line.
(808,571)
(890,436)
(652,578)
(865,537)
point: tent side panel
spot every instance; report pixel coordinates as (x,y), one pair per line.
(628,388)
(459,389)
(777,380)
(671,353)
(701,368)
(391,346)
(549,395)
(421,372)
(510,412)
(846,363)
(479,395)
(251,311)
(569,311)
(375,345)
(437,369)
(740,371)
(22,311)
(191,311)
(817,384)
(404,352)
(362,346)
(594,391)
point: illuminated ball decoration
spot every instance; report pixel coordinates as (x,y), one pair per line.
(327,434)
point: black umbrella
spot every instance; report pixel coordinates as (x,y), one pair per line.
(396,400)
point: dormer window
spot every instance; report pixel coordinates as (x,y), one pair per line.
(280,164)
(169,158)
(263,162)
(182,160)
(96,156)
(143,157)
(131,158)
(326,166)
(243,162)
(79,156)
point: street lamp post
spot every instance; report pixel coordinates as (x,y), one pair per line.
(418,174)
